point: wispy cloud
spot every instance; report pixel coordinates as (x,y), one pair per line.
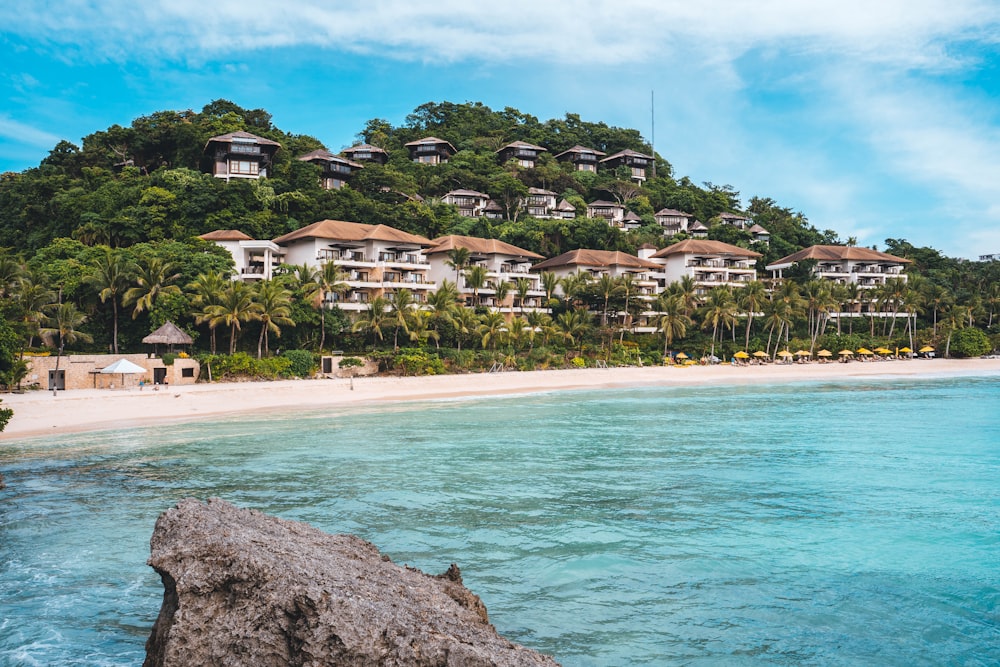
(21,133)
(907,33)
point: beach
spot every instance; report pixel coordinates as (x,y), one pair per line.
(39,413)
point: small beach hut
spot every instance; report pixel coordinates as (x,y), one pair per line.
(125,367)
(169,334)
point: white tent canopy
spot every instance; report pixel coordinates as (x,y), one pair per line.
(123,366)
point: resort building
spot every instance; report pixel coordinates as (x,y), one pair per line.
(565,210)
(377,260)
(612,212)
(470,203)
(504,263)
(698,230)
(581,157)
(254,259)
(632,221)
(734,220)
(673,221)
(637,163)
(541,203)
(845,264)
(366,153)
(709,263)
(523,152)
(430,150)
(334,170)
(493,210)
(760,234)
(240,155)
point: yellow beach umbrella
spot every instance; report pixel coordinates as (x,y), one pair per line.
(883,350)
(785,353)
(760,353)
(680,355)
(864,350)
(824,353)
(802,353)
(741,355)
(846,353)
(905,350)
(925,349)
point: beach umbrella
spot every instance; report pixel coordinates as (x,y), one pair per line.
(824,353)
(846,353)
(925,349)
(883,350)
(741,355)
(802,353)
(785,353)
(680,355)
(125,367)
(760,353)
(905,350)
(864,350)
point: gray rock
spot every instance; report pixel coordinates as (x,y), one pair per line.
(244,588)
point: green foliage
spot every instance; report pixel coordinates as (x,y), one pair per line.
(303,363)
(168,358)
(579,362)
(970,342)
(416,362)
(242,366)
(5,416)
(350,362)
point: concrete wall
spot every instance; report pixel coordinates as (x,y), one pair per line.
(80,371)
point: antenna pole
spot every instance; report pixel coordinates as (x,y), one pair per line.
(652,130)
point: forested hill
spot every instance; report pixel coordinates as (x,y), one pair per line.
(149,182)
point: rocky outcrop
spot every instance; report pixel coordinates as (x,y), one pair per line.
(244,588)
(2,485)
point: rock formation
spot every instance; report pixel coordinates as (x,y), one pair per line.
(2,485)
(244,588)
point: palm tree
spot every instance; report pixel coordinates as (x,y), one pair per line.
(275,304)
(673,322)
(465,322)
(207,289)
(953,319)
(236,305)
(607,287)
(574,324)
(520,331)
(896,292)
(500,291)
(628,287)
(402,303)
(374,318)
(573,285)
(10,272)
(440,304)
(938,298)
(752,298)
(549,283)
(458,259)
(420,329)
(475,278)
(521,288)
(492,326)
(687,289)
(63,324)
(720,311)
(154,279)
(32,297)
(111,275)
(540,323)
(330,280)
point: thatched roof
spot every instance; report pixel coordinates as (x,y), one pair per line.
(168,334)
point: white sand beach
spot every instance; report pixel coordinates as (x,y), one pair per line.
(39,413)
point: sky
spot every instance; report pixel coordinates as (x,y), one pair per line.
(874,119)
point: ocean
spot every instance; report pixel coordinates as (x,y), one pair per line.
(826,523)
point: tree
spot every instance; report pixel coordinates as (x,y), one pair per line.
(236,305)
(402,303)
(207,289)
(154,279)
(751,299)
(673,321)
(465,322)
(501,288)
(574,324)
(63,325)
(330,280)
(491,328)
(111,274)
(720,311)
(607,286)
(475,278)
(458,259)
(374,318)
(274,307)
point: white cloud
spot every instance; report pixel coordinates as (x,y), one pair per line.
(20,133)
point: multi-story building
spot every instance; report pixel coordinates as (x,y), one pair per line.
(334,170)
(504,263)
(470,203)
(255,259)
(845,264)
(760,234)
(240,155)
(541,203)
(377,260)
(565,210)
(709,263)
(430,150)
(612,212)
(523,152)
(583,158)
(672,220)
(366,153)
(734,219)
(637,163)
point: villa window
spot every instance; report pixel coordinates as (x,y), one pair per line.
(245,167)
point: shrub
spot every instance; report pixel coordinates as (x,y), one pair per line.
(970,342)
(350,362)
(168,358)
(417,362)
(5,415)
(302,363)
(579,362)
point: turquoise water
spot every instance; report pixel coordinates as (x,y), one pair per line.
(824,524)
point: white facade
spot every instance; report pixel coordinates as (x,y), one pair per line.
(710,263)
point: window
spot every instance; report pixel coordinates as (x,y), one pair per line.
(187,372)
(638,172)
(246,167)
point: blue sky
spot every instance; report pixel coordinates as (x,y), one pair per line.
(874,119)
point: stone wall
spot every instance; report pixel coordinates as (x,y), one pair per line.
(81,371)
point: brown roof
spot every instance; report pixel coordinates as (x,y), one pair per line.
(226,235)
(596,258)
(601,203)
(338,230)
(540,191)
(732,216)
(564,205)
(672,211)
(168,334)
(228,139)
(363,147)
(430,140)
(757,229)
(327,156)
(479,246)
(839,253)
(466,193)
(705,247)
(697,226)
(522,144)
(628,152)
(581,149)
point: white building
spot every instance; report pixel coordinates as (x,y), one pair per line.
(709,263)
(845,264)
(254,259)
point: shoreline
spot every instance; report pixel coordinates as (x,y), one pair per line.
(38,413)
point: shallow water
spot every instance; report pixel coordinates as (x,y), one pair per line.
(826,523)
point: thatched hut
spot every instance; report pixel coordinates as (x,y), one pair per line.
(169,334)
